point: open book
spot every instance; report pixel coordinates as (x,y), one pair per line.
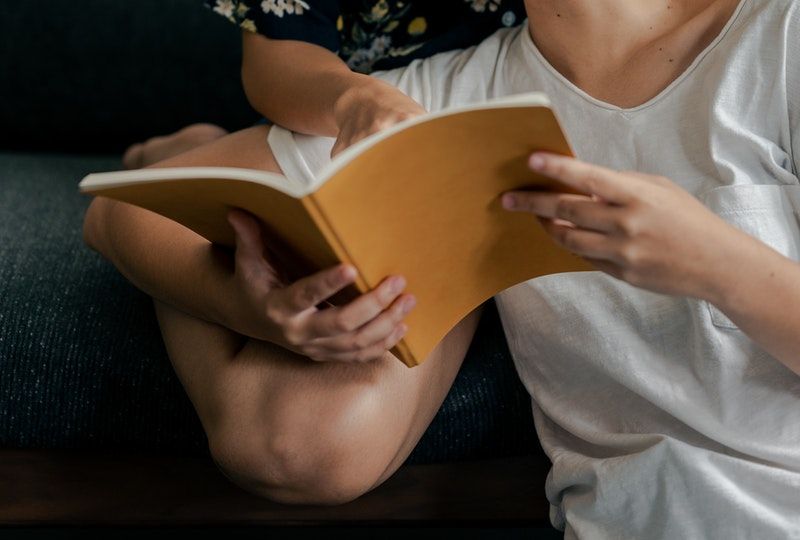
(421,199)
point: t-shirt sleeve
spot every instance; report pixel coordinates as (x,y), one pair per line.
(311,21)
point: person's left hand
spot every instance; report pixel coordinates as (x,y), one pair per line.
(642,229)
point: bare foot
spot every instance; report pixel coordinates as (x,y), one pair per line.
(159,148)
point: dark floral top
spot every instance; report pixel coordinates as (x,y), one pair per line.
(375,34)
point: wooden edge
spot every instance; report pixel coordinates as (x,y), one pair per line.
(47,487)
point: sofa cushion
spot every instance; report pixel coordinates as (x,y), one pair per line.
(82,363)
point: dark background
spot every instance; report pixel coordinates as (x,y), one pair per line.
(94,79)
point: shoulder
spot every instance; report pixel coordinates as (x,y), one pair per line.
(766,34)
(778,15)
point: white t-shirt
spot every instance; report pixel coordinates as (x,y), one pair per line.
(661,418)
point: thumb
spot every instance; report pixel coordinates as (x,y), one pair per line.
(338,146)
(251,257)
(248,234)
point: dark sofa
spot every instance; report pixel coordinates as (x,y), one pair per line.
(82,364)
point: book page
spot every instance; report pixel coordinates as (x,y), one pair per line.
(530,99)
(425,203)
(99,181)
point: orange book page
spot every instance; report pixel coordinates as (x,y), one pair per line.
(424,203)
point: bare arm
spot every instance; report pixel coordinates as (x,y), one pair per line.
(296,84)
(759,290)
(308,89)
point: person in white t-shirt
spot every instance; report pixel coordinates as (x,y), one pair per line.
(665,387)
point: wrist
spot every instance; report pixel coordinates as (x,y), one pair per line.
(228,306)
(746,262)
(361,92)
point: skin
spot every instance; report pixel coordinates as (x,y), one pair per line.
(298,404)
(309,89)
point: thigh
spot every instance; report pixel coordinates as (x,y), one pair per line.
(247,148)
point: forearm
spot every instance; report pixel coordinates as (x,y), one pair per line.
(297,85)
(164,259)
(759,290)
(625,224)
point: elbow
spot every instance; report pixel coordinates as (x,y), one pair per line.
(253,55)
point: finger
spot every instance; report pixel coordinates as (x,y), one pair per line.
(374,352)
(338,146)
(585,177)
(376,331)
(607,267)
(348,318)
(588,244)
(585,212)
(382,327)
(248,233)
(307,292)
(251,255)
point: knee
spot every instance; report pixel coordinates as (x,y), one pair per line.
(92,223)
(292,457)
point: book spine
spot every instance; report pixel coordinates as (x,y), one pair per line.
(314,210)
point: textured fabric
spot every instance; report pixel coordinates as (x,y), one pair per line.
(82,363)
(663,420)
(374,34)
(81,360)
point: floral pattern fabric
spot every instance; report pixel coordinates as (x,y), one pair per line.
(374,34)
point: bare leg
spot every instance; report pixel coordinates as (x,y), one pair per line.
(159,148)
(288,428)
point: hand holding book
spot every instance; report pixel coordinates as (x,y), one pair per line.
(288,315)
(369,108)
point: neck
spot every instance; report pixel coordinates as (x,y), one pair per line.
(596,15)
(610,31)
(607,46)
(610,27)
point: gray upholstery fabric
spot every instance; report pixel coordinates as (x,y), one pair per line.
(81,360)
(82,364)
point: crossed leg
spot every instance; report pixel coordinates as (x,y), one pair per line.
(286,427)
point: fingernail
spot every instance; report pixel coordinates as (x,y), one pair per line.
(402,331)
(348,273)
(536,162)
(397,285)
(509,201)
(408,304)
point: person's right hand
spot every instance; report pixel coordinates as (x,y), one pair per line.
(287,315)
(369,108)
